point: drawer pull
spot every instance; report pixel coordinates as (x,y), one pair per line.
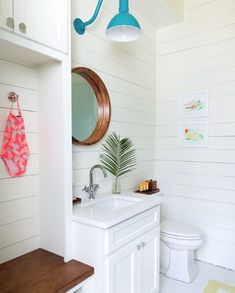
(142,244)
(138,246)
(10,22)
(22,28)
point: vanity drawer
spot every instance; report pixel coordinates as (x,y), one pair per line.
(128,230)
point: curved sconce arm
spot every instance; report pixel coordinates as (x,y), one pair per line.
(80,26)
(123,27)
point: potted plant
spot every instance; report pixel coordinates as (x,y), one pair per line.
(118,157)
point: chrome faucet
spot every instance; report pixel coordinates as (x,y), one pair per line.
(93,187)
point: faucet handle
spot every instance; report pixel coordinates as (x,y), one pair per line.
(96,186)
(86,189)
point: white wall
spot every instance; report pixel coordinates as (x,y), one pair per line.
(19,197)
(199,184)
(55,156)
(128,70)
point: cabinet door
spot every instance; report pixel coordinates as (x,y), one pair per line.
(6,14)
(123,270)
(150,261)
(44,21)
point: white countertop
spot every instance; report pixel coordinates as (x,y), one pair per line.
(93,213)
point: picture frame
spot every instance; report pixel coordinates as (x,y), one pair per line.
(193,104)
(193,134)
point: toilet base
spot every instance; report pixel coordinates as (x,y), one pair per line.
(182,266)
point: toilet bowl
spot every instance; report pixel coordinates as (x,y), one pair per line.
(178,243)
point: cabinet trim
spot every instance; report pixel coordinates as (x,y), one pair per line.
(125,232)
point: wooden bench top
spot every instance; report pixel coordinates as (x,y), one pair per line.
(41,271)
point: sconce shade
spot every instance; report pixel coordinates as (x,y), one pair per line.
(123,27)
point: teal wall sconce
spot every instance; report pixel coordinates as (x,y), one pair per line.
(123,27)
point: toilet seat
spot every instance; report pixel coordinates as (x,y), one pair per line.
(177,230)
(181,237)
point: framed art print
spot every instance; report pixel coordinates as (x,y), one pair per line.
(193,134)
(193,104)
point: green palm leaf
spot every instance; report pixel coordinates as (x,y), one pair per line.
(118,155)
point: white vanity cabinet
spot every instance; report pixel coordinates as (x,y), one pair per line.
(135,268)
(125,256)
(43,21)
(122,269)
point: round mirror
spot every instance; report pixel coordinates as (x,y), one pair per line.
(91,110)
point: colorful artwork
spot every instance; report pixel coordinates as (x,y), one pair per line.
(194,104)
(193,134)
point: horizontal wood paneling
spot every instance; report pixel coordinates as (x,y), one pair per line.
(197,155)
(24,229)
(200,26)
(199,183)
(221,34)
(16,75)
(14,188)
(132,75)
(215,209)
(214,143)
(19,196)
(19,248)
(208,9)
(201,218)
(215,130)
(120,85)
(215,182)
(28,97)
(199,192)
(16,210)
(197,168)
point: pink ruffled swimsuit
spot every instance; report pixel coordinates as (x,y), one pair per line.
(15,151)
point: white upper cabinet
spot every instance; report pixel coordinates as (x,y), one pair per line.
(43,21)
(6,15)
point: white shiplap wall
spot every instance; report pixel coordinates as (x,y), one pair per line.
(19,200)
(128,70)
(199,184)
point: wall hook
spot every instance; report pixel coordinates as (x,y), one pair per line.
(13,97)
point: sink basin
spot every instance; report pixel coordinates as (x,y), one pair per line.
(107,210)
(111,203)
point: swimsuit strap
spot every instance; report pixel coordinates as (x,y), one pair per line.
(18,106)
(11,106)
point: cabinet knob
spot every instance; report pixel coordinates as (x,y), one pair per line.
(22,28)
(138,246)
(142,244)
(10,22)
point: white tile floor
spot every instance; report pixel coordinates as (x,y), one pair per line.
(206,272)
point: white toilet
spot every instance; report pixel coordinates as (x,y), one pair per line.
(178,243)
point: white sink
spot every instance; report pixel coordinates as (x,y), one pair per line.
(111,203)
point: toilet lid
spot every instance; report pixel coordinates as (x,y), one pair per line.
(180,229)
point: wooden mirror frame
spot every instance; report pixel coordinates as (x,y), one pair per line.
(104,106)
